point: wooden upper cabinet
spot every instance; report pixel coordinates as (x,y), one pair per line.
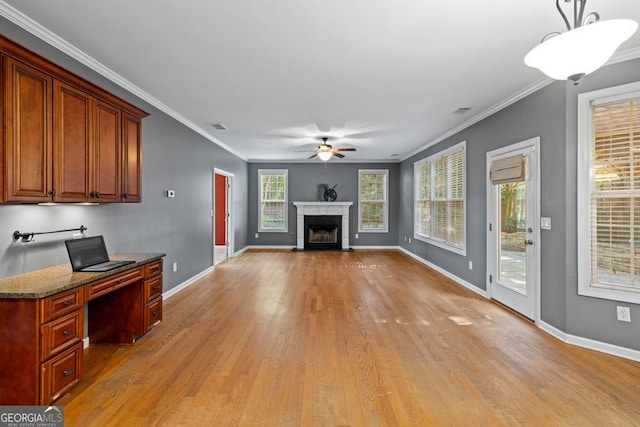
(107,168)
(64,140)
(131,159)
(72,143)
(27,138)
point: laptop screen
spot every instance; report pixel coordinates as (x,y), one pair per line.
(86,252)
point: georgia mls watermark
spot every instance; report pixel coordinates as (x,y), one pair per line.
(31,416)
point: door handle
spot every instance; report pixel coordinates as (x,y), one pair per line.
(528,242)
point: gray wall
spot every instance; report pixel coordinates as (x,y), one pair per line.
(303,187)
(173,157)
(540,114)
(550,113)
(588,317)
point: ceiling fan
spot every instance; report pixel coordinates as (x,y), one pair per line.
(325,151)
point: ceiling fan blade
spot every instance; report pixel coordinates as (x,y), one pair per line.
(311,157)
(338,155)
(344,149)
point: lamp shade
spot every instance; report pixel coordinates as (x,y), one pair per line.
(324,155)
(571,55)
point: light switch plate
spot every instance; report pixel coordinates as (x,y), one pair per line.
(545,223)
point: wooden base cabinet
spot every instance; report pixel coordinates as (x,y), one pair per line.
(41,348)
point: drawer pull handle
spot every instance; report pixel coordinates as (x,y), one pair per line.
(156,287)
(121,281)
(156,313)
(67,332)
(67,372)
(67,303)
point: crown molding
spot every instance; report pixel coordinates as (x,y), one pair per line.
(44,34)
(622,56)
(484,114)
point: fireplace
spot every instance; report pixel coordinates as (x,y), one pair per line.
(337,230)
(323,232)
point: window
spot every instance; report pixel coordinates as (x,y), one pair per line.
(273,200)
(609,193)
(373,188)
(439,184)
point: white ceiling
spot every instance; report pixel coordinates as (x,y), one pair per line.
(384,76)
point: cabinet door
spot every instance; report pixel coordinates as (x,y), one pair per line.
(28,102)
(71,143)
(131,159)
(107,156)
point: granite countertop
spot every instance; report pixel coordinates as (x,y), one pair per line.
(52,280)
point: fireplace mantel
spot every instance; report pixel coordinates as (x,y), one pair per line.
(322,208)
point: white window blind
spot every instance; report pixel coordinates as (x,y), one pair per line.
(615,195)
(439,183)
(609,194)
(373,204)
(273,200)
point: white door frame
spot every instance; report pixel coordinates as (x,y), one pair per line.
(534,144)
(230,216)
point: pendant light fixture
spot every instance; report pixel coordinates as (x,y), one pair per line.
(582,49)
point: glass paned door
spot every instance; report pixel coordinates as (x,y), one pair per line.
(512,218)
(513,232)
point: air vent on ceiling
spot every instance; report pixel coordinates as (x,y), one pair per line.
(217,126)
(462,110)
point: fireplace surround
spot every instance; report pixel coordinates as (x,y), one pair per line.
(320,209)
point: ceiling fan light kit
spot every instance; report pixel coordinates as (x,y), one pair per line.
(324,155)
(326,151)
(582,49)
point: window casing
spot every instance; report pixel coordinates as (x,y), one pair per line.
(273,212)
(440,199)
(373,205)
(609,193)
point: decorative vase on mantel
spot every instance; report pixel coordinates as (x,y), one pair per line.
(321,190)
(330,194)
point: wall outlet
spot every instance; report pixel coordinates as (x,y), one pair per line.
(171,193)
(357,236)
(409,240)
(405,238)
(624,314)
(256,235)
(175,267)
(470,265)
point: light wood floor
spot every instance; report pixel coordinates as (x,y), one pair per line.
(366,338)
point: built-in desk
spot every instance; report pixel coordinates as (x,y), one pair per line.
(42,322)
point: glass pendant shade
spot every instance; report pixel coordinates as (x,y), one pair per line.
(324,155)
(575,53)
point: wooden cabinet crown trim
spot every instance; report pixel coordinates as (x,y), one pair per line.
(10,48)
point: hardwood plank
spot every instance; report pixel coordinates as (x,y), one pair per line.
(363,338)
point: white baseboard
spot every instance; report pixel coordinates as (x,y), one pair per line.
(590,344)
(375,247)
(85,343)
(285,247)
(171,292)
(444,272)
(241,251)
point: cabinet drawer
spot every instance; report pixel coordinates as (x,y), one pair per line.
(152,314)
(60,304)
(60,334)
(152,288)
(153,268)
(112,283)
(60,374)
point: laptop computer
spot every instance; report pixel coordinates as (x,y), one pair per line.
(90,254)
